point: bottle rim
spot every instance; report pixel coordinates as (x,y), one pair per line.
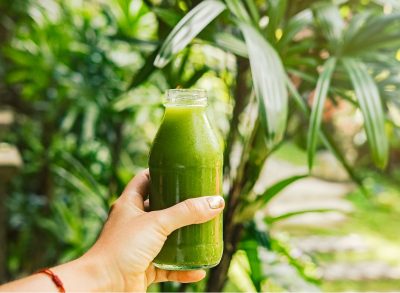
(186,97)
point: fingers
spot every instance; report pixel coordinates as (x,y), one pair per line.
(138,188)
(179,276)
(139,183)
(191,211)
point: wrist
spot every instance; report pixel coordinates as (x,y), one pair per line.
(90,273)
(103,271)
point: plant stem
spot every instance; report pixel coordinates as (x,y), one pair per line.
(232,231)
(218,275)
(241,99)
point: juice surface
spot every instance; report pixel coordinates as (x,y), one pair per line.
(186,162)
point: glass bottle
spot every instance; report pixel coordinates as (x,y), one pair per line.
(186,161)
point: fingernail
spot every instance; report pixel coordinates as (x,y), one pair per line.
(215,202)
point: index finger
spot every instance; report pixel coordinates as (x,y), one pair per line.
(138,188)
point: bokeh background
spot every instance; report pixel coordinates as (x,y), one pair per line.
(304,93)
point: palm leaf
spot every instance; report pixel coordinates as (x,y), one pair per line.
(276,11)
(318,106)
(284,216)
(366,33)
(230,43)
(277,187)
(371,107)
(92,199)
(295,25)
(331,145)
(356,23)
(252,7)
(269,84)
(257,276)
(325,137)
(248,209)
(169,16)
(330,22)
(189,27)
(239,10)
(375,26)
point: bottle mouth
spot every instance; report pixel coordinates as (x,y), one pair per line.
(186,97)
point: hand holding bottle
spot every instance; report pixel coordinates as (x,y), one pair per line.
(121,259)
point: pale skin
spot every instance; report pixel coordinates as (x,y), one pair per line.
(121,259)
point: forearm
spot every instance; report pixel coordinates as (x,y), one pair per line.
(84,274)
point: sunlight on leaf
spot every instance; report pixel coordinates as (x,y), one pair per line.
(371,107)
(269,83)
(321,92)
(189,27)
(250,208)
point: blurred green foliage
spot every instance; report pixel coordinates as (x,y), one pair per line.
(86,80)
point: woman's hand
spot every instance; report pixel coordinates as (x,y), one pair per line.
(132,237)
(121,259)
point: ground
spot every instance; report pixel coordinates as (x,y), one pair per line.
(357,247)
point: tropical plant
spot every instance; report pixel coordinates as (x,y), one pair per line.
(86,77)
(81,134)
(277,53)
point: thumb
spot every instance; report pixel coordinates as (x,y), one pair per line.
(191,211)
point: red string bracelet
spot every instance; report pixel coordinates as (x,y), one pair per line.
(56,280)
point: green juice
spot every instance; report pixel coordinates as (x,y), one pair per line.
(186,162)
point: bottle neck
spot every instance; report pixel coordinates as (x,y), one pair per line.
(186,98)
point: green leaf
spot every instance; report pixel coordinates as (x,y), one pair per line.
(76,167)
(321,91)
(326,138)
(371,107)
(375,26)
(69,120)
(269,84)
(169,16)
(239,10)
(143,44)
(91,198)
(276,11)
(297,97)
(250,208)
(252,6)
(366,33)
(295,24)
(195,77)
(144,73)
(276,188)
(271,220)
(189,27)
(257,276)
(230,43)
(184,60)
(330,144)
(330,22)
(355,25)
(91,114)
(303,75)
